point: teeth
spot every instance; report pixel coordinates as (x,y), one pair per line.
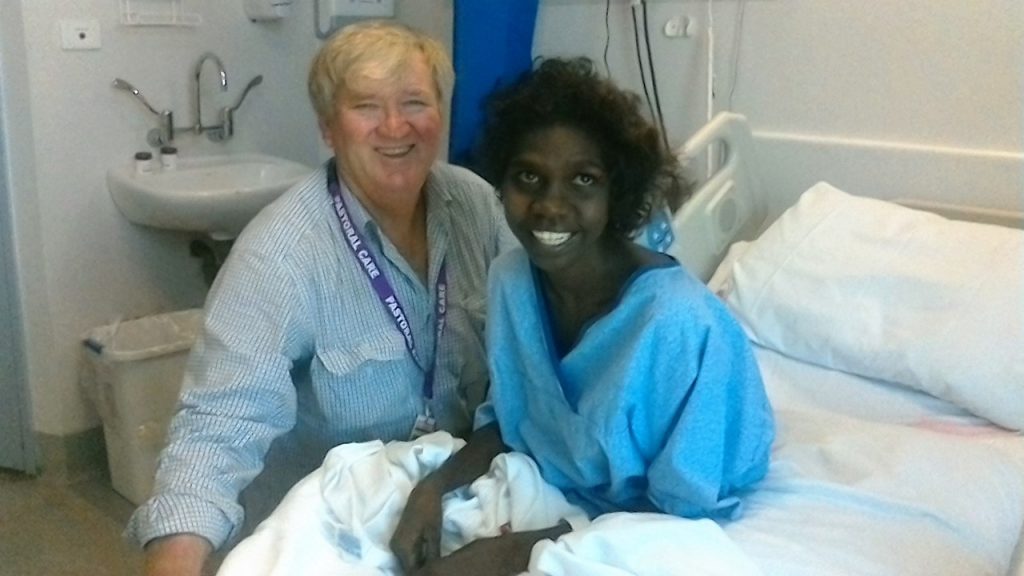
(551,238)
(396,151)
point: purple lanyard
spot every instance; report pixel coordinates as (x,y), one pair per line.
(385,292)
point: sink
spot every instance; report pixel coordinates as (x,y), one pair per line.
(216,195)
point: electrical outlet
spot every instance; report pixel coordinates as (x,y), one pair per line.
(80,34)
(679,27)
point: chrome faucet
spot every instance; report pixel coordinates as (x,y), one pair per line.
(156,137)
(227,114)
(198,125)
(164,134)
(226,128)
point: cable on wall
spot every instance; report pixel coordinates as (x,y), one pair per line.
(607,36)
(711,61)
(653,105)
(711,78)
(737,42)
(654,78)
(639,58)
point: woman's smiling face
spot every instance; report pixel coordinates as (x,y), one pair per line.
(555,191)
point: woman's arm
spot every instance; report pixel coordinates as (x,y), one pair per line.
(417,540)
(718,440)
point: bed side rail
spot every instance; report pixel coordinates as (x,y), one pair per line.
(725,207)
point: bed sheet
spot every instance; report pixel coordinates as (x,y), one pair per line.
(859,415)
(860,484)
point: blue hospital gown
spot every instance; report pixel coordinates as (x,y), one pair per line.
(658,407)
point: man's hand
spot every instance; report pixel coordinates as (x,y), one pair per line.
(417,539)
(177,555)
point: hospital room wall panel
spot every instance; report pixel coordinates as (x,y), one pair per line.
(920,98)
(984,179)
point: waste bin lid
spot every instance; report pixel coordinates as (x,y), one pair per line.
(146,337)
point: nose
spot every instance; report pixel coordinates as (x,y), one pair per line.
(394,124)
(550,203)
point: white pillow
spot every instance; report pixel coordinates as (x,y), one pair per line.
(879,290)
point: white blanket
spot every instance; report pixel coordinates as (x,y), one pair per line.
(338,520)
(851,497)
(928,487)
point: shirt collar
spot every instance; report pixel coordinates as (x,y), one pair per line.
(438,197)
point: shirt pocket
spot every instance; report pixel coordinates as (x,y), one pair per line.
(345,357)
(366,382)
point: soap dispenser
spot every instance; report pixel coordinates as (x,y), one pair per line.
(265,10)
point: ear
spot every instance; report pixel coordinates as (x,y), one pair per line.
(325,133)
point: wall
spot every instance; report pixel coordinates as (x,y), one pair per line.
(827,84)
(81,263)
(919,98)
(96,265)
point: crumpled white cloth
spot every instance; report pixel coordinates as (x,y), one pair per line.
(339,519)
(624,544)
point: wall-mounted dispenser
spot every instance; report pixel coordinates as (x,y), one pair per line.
(265,10)
(337,13)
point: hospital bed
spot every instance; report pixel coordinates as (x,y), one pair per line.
(874,325)
(891,342)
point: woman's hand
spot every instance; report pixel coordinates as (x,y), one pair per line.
(417,539)
(508,554)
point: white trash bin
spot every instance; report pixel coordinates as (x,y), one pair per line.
(133,377)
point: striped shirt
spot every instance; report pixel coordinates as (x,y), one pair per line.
(298,351)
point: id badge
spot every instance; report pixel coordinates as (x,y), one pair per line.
(424,425)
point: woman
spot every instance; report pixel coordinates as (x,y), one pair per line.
(350,309)
(626,380)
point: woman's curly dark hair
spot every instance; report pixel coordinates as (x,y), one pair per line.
(570,92)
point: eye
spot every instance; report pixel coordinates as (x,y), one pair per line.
(584,180)
(527,177)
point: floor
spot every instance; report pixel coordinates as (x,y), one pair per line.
(51,529)
(48,529)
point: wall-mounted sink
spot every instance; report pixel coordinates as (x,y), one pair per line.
(216,195)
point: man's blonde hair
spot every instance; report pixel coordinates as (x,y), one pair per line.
(379,49)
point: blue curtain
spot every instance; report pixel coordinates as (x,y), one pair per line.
(493,44)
